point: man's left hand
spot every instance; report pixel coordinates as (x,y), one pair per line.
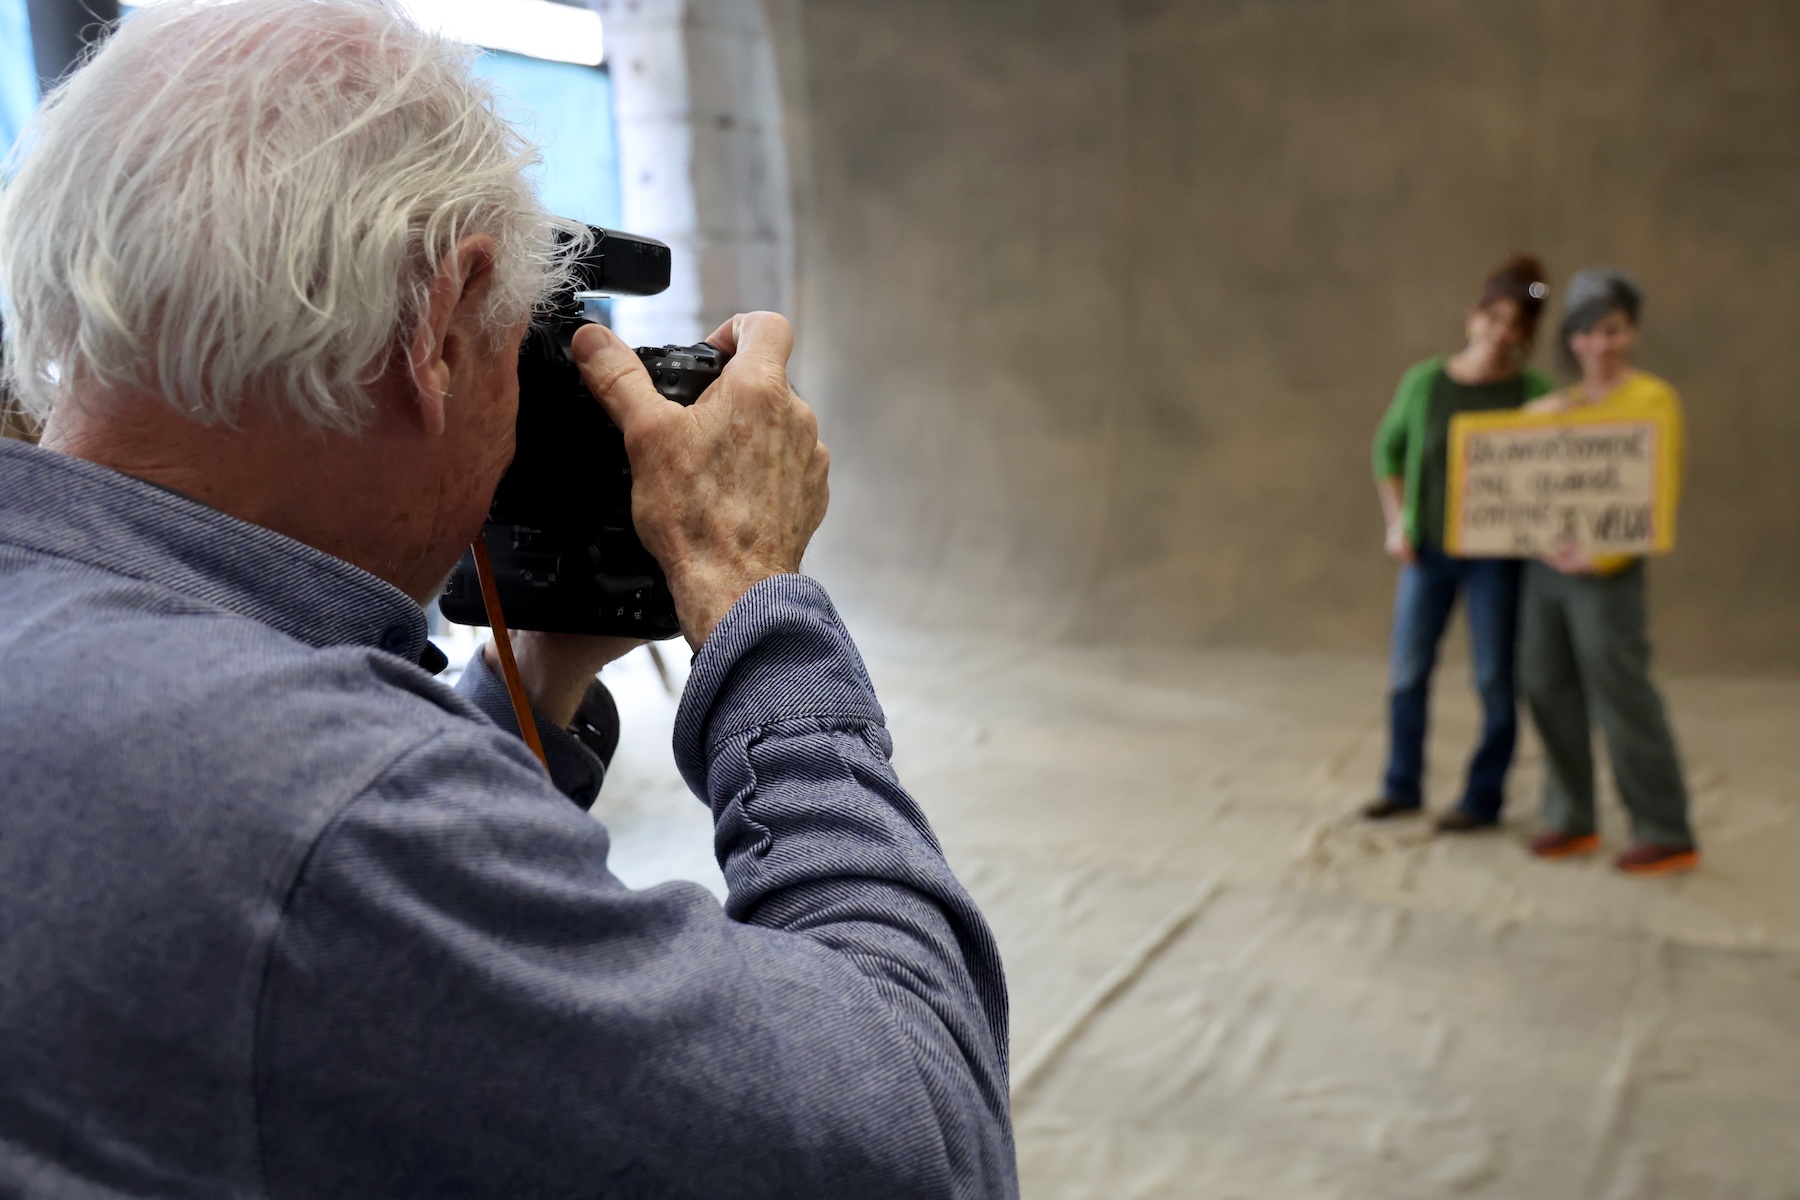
(556,668)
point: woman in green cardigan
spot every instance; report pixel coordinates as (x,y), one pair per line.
(1411,458)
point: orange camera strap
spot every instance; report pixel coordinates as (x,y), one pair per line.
(509,668)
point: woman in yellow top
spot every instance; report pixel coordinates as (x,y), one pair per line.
(1582,638)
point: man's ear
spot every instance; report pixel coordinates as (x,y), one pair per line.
(448,332)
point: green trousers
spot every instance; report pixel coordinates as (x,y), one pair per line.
(1583,649)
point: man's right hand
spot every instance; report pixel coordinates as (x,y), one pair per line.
(729,491)
(1399,546)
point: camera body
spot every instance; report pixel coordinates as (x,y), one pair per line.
(566,556)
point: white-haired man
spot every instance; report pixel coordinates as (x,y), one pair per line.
(280,914)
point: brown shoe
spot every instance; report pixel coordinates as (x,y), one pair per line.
(1647,859)
(1554,843)
(1387,806)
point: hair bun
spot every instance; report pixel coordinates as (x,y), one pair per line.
(1523,280)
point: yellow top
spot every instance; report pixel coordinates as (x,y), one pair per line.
(1642,396)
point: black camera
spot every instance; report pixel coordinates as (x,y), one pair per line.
(566,556)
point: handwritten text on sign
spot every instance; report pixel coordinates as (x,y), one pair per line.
(1523,485)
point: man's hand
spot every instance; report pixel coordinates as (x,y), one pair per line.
(556,668)
(725,493)
(1399,546)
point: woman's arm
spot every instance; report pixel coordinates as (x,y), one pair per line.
(1390,456)
(1392,490)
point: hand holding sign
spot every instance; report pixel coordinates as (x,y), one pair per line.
(1564,486)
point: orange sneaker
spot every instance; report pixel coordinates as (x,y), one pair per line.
(1647,859)
(1555,843)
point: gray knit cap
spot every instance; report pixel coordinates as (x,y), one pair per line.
(1596,291)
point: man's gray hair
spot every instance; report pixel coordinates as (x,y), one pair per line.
(248,201)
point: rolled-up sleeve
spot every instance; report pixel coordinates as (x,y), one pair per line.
(575,771)
(463,1000)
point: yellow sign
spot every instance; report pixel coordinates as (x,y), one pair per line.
(1526,484)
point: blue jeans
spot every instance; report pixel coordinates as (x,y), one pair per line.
(1422,608)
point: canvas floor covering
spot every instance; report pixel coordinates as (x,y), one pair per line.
(1224,986)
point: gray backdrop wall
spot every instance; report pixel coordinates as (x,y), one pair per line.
(1100,302)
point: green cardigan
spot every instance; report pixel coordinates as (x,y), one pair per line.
(1400,438)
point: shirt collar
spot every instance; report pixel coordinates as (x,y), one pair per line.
(67,507)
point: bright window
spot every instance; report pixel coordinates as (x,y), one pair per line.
(567,110)
(18,71)
(564,107)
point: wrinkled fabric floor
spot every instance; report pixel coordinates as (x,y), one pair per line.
(1223,987)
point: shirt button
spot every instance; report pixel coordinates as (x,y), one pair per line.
(396,641)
